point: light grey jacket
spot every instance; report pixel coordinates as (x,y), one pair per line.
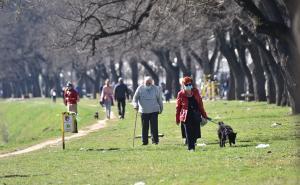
(148,100)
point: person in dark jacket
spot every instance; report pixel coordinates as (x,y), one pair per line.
(120,94)
(188,103)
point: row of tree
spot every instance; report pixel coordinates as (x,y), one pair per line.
(47,43)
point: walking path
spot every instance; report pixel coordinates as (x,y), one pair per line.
(92,128)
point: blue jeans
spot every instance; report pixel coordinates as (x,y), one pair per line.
(107,108)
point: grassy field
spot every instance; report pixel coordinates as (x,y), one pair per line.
(25,122)
(107,156)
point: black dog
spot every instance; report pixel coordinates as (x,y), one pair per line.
(226,132)
(96,115)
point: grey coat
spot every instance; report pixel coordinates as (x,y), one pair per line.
(148,100)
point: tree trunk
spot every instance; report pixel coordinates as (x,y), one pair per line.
(152,73)
(57,84)
(134,73)
(22,86)
(113,71)
(276,75)
(180,63)
(97,83)
(175,71)
(239,41)
(169,80)
(204,56)
(235,68)
(269,85)
(278,29)
(7,92)
(47,85)
(257,74)
(120,68)
(293,66)
(176,84)
(231,88)
(172,71)
(16,89)
(284,99)
(36,90)
(103,72)
(246,71)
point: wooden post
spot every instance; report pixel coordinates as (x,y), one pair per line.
(63,130)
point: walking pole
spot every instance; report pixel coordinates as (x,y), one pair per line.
(134,128)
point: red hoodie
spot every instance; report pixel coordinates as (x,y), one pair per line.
(182,105)
(71,96)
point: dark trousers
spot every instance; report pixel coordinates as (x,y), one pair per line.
(121,106)
(152,120)
(192,132)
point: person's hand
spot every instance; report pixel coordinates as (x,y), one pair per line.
(136,108)
(203,122)
(177,123)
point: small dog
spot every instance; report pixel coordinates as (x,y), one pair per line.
(226,132)
(96,115)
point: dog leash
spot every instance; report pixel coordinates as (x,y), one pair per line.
(211,120)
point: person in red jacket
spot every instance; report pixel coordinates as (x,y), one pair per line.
(71,98)
(188,102)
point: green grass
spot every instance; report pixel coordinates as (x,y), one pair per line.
(24,123)
(107,156)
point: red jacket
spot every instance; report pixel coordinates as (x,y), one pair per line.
(71,96)
(182,105)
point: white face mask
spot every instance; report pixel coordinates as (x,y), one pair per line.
(148,87)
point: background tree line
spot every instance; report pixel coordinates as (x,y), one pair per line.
(44,43)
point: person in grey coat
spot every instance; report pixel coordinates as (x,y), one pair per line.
(147,100)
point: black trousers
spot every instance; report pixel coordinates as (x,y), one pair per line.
(152,120)
(121,106)
(192,132)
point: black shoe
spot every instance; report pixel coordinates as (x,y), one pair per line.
(145,144)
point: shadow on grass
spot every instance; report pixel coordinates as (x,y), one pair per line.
(239,144)
(102,149)
(135,149)
(19,175)
(245,145)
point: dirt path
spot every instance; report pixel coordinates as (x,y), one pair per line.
(85,131)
